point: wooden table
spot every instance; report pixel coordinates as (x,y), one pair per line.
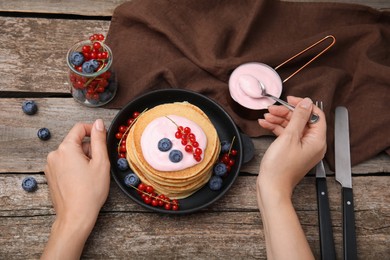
(35,36)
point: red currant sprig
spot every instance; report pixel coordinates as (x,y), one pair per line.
(95,51)
(188,139)
(150,197)
(123,130)
(228,158)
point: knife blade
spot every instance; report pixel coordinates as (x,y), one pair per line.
(327,246)
(344,177)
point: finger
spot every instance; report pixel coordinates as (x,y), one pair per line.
(320,124)
(276,119)
(280,111)
(86,146)
(98,143)
(300,116)
(274,128)
(78,132)
(294,100)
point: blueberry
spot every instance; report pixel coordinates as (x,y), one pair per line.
(29,184)
(220,169)
(215,183)
(164,145)
(225,146)
(76,58)
(105,96)
(175,156)
(44,134)
(95,64)
(79,94)
(122,164)
(88,67)
(132,179)
(93,101)
(29,107)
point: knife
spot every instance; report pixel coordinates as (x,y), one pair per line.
(344,177)
(327,247)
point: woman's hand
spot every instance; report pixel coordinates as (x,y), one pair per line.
(78,177)
(298,147)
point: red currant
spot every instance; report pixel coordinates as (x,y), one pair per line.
(141,186)
(97,45)
(122,148)
(100,37)
(187,130)
(135,114)
(149,189)
(188,148)
(147,200)
(175,207)
(198,151)
(178,135)
(154,203)
(118,136)
(233,152)
(122,155)
(197,158)
(122,129)
(167,206)
(195,144)
(225,158)
(99,89)
(231,162)
(130,121)
(104,55)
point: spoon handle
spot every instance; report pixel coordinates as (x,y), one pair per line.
(313,118)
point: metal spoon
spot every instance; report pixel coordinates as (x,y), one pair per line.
(313,118)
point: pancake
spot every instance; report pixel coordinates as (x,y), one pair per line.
(173,183)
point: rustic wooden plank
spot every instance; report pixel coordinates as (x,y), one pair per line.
(20,148)
(231,224)
(22,151)
(106,8)
(371,193)
(85,8)
(33,51)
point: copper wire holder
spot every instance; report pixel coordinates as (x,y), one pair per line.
(305,50)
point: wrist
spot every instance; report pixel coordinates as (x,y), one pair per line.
(270,193)
(67,237)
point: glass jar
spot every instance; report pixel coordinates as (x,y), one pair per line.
(92,81)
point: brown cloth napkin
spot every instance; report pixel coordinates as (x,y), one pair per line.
(196,44)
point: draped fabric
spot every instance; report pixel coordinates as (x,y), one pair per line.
(196,44)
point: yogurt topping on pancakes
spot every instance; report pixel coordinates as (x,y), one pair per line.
(245,89)
(163,127)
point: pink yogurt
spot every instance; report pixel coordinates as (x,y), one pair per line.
(245,89)
(162,127)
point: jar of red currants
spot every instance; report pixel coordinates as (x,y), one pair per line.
(92,81)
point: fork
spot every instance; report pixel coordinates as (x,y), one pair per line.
(325,223)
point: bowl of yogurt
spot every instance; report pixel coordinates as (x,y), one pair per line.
(245,91)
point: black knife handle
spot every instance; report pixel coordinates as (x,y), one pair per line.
(349,233)
(327,247)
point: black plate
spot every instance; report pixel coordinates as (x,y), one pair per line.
(226,131)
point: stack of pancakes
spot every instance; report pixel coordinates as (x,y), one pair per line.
(174,184)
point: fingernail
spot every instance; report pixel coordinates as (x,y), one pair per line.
(99,124)
(306,103)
